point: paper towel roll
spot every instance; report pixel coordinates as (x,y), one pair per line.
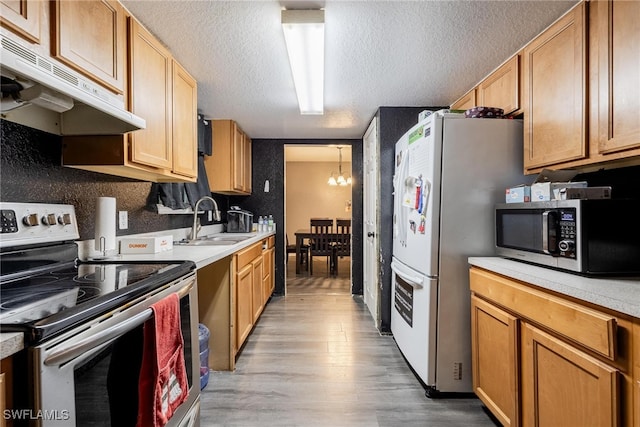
(105,224)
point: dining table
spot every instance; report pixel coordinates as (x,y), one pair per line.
(305,233)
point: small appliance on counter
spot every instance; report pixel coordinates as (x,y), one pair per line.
(590,237)
(239,220)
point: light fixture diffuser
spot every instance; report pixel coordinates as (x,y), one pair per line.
(304,36)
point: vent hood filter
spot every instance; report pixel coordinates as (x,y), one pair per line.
(58,99)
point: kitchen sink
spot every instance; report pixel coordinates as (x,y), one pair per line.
(221,239)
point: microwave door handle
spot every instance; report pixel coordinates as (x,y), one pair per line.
(72,351)
(546,236)
(545,232)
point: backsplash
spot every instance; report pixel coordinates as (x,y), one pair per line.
(31,171)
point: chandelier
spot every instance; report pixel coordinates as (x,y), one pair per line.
(340,180)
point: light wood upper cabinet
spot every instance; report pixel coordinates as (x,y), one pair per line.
(165,95)
(185,124)
(150,97)
(229,167)
(501,88)
(614,55)
(466,101)
(555,75)
(23,17)
(246,164)
(563,386)
(90,37)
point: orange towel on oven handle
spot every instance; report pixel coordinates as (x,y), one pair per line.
(163,378)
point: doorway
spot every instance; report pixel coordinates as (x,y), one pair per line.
(308,194)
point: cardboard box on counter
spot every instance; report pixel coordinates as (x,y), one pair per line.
(146,245)
(518,194)
(548,184)
(585,193)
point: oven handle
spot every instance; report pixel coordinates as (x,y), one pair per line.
(72,351)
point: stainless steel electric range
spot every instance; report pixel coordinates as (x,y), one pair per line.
(82,322)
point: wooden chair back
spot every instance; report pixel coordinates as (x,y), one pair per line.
(320,241)
(343,237)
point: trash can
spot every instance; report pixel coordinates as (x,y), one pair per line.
(203,338)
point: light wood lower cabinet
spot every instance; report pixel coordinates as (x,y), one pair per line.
(244,315)
(494,338)
(269,255)
(257,294)
(232,294)
(543,359)
(563,386)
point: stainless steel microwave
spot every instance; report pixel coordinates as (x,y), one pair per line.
(593,237)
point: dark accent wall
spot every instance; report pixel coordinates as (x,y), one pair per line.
(31,171)
(268,163)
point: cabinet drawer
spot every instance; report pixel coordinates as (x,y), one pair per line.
(247,255)
(592,329)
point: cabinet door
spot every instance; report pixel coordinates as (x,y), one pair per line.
(555,92)
(22,17)
(269,263)
(246,164)
(562,386)
(237,159)
(257,292)
(615,54)
(468,100)
(494,349)
(89,36)
(244,314)
(150,98)
(185,124)
(502,88)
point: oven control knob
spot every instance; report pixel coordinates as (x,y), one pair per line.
(49,219)
(30,220)
(566,245)
(64,219)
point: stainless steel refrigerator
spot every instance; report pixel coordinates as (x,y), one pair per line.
(450,171)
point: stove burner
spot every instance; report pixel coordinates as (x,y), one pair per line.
(32,298)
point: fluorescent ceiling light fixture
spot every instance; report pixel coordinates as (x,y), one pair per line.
(304,36)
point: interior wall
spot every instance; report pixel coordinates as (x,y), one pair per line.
(268,164)
(308,195)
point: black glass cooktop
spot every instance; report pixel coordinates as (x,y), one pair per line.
(52,301)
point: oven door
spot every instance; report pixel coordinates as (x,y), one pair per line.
(89,376)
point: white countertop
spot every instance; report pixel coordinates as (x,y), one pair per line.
(203,255)
(618,294)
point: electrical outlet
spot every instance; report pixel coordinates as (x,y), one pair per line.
(210,216)
(123,220)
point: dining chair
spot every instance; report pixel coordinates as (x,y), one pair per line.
(320,243)
(304,252)
(343,237)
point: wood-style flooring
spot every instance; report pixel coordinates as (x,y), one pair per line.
(315,358)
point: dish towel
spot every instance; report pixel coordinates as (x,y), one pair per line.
(163,378)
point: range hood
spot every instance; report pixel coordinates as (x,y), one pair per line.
(41,93)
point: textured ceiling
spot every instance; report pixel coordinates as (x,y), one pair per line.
(378,53)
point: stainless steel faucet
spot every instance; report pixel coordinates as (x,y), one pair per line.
(216,216)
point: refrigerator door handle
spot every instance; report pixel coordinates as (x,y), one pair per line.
(415,281)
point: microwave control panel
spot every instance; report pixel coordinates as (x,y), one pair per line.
(567,227)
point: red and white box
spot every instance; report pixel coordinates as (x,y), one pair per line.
(146,245)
